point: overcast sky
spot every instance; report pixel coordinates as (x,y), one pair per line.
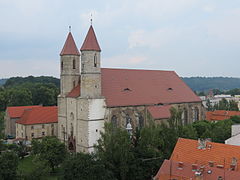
(191,37)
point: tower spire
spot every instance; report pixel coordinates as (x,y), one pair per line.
(69,47)
(90,43)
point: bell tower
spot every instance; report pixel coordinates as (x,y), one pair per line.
(90,66)
(91,102)
(70,64)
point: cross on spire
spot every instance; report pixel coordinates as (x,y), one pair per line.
(70,28)
(91,19)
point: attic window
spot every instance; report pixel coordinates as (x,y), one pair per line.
(170,89)
(126,89)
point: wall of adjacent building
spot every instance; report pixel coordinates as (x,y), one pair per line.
(36,131)
(10,127)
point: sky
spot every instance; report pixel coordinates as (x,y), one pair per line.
(191,37)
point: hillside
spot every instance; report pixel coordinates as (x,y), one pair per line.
(206,83)
(2,81)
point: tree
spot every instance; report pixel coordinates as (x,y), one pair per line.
(51,150)
(85,166)
(8,165)
(115,150)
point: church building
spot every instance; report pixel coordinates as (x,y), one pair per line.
(128,98)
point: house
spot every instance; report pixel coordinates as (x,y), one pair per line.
(12,115)
(91,95)
(37,123)
(200,160)
(220,115)
(235,136)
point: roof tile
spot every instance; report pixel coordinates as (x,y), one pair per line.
(70,47)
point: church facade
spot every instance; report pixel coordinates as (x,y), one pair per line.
(91,95)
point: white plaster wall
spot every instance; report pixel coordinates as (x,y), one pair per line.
(96,108)
(235,140)
(235,129)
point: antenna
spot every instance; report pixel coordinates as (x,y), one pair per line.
(91,19)
(70,28)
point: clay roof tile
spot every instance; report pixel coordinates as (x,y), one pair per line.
(70,47)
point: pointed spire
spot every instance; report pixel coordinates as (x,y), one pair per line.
(90,43)
(69,47)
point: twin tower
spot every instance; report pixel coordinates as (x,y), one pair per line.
(81,107)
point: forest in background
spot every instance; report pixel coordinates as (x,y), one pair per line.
(197,84)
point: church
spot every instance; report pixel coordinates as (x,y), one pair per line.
(128,98)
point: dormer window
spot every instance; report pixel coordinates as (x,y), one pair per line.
(74,64)
(95,60)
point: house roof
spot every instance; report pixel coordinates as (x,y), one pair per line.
(40,115)
(171,169)
(186,150)
(70,47)
(76,91)
(219,115)
(160,112)
(131,87)
(90,43)
(17,111)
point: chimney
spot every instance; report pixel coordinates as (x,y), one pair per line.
(180,165)
(233,165)
(211,163)
(194,167)
(201,144)
(220,178)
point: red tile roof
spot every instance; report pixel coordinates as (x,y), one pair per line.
(70,47)
(170,170)
(129,87)
(40,115)
(186,150)
(17,111)
(75,92)
(126,87)
(90,42)
(160,112)
(219,115)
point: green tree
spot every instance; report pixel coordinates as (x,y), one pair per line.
(19,97)
(115,150)
(85,166)
(8,165)
(51,150)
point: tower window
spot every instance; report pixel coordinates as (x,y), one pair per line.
(74,64)
(61,65)
(95,60)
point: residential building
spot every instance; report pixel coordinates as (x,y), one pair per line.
(37,123)
(200,160)
(220,115)
(12,115)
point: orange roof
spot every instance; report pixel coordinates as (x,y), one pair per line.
(186,150)
(90,42)
(127,87)
(160,112)
(70,47)
(40,115)
(219,115)
(75,92)
(17,111)
(170,170)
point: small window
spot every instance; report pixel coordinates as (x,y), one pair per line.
(22,135)
(43,133)
(74,64)
(32,127)
(95,60)
(22,127)
(61,65)
(73,83)
(32,135)
(43,126)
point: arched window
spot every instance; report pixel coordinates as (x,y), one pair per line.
(71,129)
(185,117)
(140,121)
(128,119)
(196,114)
(114,120)
(73,83)
(72,116)
(95,60)
(74,64)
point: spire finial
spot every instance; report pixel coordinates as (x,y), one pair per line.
(69,28)
(91,19)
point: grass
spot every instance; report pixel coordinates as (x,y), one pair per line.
(26,166)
